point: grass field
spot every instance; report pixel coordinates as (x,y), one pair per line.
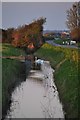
(12,73)
(65,62)
(9,50)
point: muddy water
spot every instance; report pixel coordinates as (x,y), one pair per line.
(37,97)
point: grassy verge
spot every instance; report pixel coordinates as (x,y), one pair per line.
(65,62)
(47,52)
(9,50)
(60,41)
(13,72)
(63,42)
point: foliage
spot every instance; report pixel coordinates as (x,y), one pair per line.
(4,36)
(7,35)
(75,34)
(73,21)
(27,34)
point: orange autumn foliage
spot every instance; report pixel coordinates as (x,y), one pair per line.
(75,34)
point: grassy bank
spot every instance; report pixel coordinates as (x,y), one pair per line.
(13,72)
(60,41)
(65,62)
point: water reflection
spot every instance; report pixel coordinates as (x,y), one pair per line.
(37,97)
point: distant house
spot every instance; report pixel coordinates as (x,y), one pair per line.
(57,35)
(49,36)
(65,35)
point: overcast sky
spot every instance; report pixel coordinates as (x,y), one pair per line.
(19,13)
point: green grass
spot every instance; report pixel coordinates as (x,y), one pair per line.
(12,73)
(66,79)
(57,54)
(8,50)
(47,52)
(78,44)
(65,62)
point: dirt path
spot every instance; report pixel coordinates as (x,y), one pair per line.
(60,63)
(12,57)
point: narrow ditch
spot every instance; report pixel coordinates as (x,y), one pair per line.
(37,97)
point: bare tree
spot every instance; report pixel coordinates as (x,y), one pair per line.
(73,16)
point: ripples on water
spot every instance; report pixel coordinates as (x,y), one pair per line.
(37,97)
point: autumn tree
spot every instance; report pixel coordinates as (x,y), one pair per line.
(25,35)
(73,21)
(9,33)
(75,34)
(4,36)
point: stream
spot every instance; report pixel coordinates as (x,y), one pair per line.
(37,97)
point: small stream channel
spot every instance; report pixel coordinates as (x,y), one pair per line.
(37,97)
